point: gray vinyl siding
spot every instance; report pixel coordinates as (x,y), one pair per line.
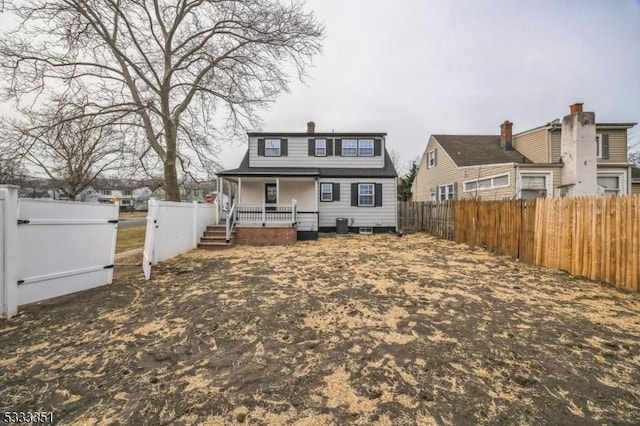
(307,222)
(298,156)
(384,216)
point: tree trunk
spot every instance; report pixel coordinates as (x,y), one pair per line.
(172,192)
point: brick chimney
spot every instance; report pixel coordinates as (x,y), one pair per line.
(506,131)
(577,107)
(311,127)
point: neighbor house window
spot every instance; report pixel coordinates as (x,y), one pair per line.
(365,148)
(533,186)
(598,146)
(321,147)
(446,192)
(272,147)
(124,202)
(611,184)
(349,147)
(431,159)
(326,192)
(126,193)
(365,194)
(105,192)
(487,183)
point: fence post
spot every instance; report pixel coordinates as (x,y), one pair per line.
(9,250)
(195,224)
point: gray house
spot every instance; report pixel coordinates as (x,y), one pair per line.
(307,181)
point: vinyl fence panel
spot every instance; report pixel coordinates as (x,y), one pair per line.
(174,228)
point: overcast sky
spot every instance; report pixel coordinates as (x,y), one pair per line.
(413,68)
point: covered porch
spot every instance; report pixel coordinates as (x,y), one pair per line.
(272,201)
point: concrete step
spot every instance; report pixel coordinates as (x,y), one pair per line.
(215,245)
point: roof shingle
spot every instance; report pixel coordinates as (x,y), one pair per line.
(476,150)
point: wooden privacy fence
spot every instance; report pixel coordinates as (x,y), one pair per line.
(435,218)
(596,237)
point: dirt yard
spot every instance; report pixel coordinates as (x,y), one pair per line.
(356,330)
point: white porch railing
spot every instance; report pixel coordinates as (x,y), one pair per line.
(266,214)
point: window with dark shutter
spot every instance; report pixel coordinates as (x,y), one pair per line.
(377,148)
(354,194)
(336,192)
(378,193)
(326,191)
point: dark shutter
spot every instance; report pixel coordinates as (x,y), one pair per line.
(312,148)
(605,146)
(354,195)
(284,147)
(329,147)
(261,147)
(338,150)
(435,157)
(377,147)
(378,193)
(336,192)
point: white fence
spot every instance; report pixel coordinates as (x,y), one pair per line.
(52,248)
(174,228)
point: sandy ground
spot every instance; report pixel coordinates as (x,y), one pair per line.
(354,330)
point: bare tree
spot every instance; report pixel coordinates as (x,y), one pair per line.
(70,152)
(170,68)
(395,159)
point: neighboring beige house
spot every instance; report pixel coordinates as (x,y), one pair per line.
(635,180)
(572,157)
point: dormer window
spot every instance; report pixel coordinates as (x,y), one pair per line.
(365,147)
(321,147)
(349,147)
(272,147)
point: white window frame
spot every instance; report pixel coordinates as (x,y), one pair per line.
(373,194)
(599,146)
(106,192)
(354,148)
(548,175)
(622,181)
(272,151)
(321,151)
(323,193)
(446,192)
(127,193)
(483,178)
(360,147)
(431,159)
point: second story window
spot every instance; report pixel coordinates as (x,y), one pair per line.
(365,147)
(105,192)
(349,147)
(321,147)
(432,159)
(272,147)
(126,193)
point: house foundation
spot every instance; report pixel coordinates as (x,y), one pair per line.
(265,235)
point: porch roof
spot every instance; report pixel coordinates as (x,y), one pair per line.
(387,171)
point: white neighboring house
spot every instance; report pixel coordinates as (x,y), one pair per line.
(312,179)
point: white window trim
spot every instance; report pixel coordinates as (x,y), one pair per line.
(431,157)
(622,181)
(446,192)
(322,193)
(373,195)
(266,148)
(599,146)
(492,177)
(356,148)
(324,149)
(548,181)
(373,147)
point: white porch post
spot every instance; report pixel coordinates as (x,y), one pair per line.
(239,190)
(317,183)
(277,190)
